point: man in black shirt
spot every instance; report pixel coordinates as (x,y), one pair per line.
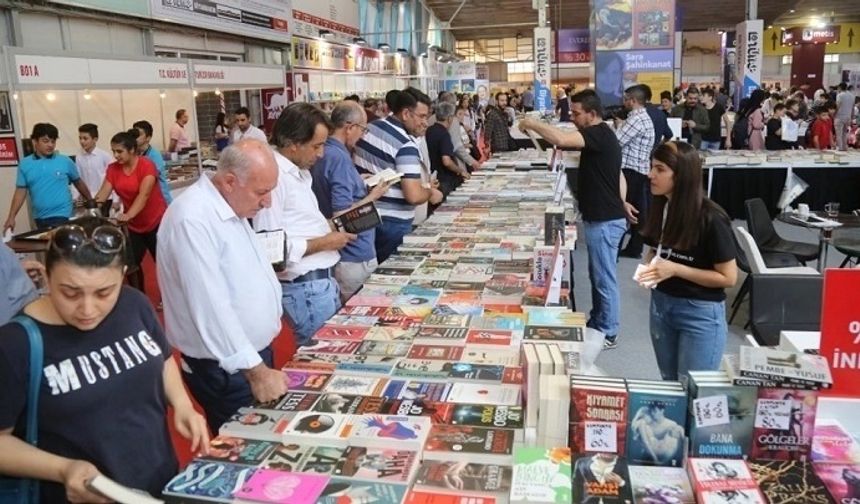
(662,131)
(712,137)
(441,150)
(600,192)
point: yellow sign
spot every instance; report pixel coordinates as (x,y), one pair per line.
(657,81)
(849,41)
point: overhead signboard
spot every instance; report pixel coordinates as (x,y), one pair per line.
(321,55)
(131,7)
(750,50)
(45,71)
(267,19)
(237,75)
(542,59)
(809,35)
(573,46)
(340,17)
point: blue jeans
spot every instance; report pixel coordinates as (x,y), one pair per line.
(601,240)
(688,334)
(708,145)
(50,222)
(389,236)
(307,306)
(218,392)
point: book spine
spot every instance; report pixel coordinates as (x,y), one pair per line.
(782,381)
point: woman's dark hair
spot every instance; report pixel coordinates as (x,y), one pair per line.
(128,139)
(690,212)
(220,119)
(754,103)
(87,256)
(297,124)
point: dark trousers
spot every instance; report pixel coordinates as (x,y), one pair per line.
(219,393)
(389,236)
(638,195)
(139,243)
(50,222)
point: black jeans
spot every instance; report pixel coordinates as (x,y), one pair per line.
(141,242)
(638,195)
(50,222)
(219,393)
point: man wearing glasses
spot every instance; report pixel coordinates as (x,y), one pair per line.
(391,143)
(339,188)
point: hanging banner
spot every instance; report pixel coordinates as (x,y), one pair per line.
(840,330)
(267,19)
(573,46)
(750,50)
(542,80)
(729,62)
(274,102)
(337,16)
(653,24)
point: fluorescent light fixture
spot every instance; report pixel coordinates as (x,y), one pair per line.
(359,41)
(326,34)
(383,46)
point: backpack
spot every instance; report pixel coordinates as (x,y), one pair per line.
(807,137)
(740,132)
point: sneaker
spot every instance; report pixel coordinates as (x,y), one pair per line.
(610,343)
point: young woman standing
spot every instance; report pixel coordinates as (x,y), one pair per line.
(222,132)
(692,262)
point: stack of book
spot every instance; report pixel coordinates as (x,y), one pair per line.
(723,480)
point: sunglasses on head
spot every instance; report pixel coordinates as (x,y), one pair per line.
(70,237)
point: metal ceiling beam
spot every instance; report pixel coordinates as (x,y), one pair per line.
(456,12)
(445,28)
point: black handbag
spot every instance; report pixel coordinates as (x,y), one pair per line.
(26,490)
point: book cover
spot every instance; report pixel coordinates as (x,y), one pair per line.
(555,317)
(656,428)
(421,369)
(471,441)
(321,363)
(435,352)
(541,475)
(378,464)
(480,415)
(598,404)
(710,474)
(464,477)
(732,437)
(362,311)
(554,333)
(661,485)
(841,480)
(355,385)
(832,443)
(434,497)
(287,457)
(347,491)
(339,347)
(386,430)
(442,333)
(484,393)
(782,366)
(491,338)
(311,427)
(366,364)
(601,478)
(350,404)
(475,310)
(784,424)
(322,460)
(281,487)
(458,285)
(745,495)
(358,220)
(789,481)
(306,381)
(509,321)
(390,333)
(296,401)
(491,356)
(333,332)
(235,450)
(385,348)
(265,425)
(453,321)
(417,390)
(346,320)
(206,480)
(468,371)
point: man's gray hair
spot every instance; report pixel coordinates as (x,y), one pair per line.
(447,96)
(235,159)
(444,110)
(347,112)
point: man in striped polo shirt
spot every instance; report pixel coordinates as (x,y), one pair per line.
(391,143)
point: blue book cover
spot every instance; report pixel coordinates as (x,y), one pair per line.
(728,440)
(340,490)
(208,480)
(655,427)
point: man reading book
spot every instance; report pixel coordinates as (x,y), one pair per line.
(336,181)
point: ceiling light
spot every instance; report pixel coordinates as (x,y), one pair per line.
(14,96)
(818,23)
(87,94)
(194,93)
(217,92)
(50,97)
(383,46)
(359,41)
(791,11)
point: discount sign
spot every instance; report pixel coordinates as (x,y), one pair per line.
(840,330)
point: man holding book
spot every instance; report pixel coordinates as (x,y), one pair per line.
(336,181)
(310,293)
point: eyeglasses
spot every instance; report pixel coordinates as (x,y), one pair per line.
(363,127)
(106,239)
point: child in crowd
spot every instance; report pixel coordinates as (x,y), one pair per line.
(91,160)
(821,137)
(773,140)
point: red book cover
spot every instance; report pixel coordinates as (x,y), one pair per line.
(422,497)
(369,311)
(493,337)
(513,375)
(603,405)
(471,440)
(435,352)
(328,332)
(784,424)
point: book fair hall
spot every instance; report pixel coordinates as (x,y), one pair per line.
(430,251)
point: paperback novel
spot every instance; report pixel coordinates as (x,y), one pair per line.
(238,450)
(476,478)
(784,424)
(789,481)
(205,480)
(601,478)
(541,475)
(378,464)
(269,486)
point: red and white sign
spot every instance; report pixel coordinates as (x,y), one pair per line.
(274,102)
(8,151)
(31,69)
(66,71)
(840,330)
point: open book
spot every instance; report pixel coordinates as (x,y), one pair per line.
(386,175)
(274,244)
(358,219)
(122,494)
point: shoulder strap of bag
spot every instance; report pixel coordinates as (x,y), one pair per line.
(36,361)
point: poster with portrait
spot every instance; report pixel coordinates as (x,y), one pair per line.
(6,126)
(612,24)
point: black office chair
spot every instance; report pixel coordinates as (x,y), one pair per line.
(771,259)
(784,303)
(761,228)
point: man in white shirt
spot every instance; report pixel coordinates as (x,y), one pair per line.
(844,113)
(178,137)
(244,128)
(310,292)
(222,300)
(91,161)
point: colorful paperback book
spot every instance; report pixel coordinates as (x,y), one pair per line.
(421,369)
(340,347)
(491,356)
(446,321)
(306,381)
(832,443)
(238,450)
(287,457)
(355,385)
(661,485)
(782,366)
(789,481)
(784,424)
(655,426)
(366,364)
(491,373)
(491,338)
(842,481)
(481,415)
(509,321)
(322,460)
(204,480)
(729,436)
(362,310)
(462,442)
(385,348)
(348,491)
(458,285)
(310,427)
(251,423)
(484,393)
(378,431)
(350,404)
(334,332)
(601,478)
(746,495)
(296,401)
(267,486)
(541,475)
(389,333)
(555,317)
(320,363)
(593,402)
(435,352)
(553,333)
(710,474)
(456,335)
(434,497)
(378,464)
(464,478)
(411,389)
(346,320)
(475,310)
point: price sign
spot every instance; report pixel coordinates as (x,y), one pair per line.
(840,330)
(601,437)
(773,414)
(710,411)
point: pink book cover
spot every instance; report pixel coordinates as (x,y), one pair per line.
(329,332)
(841,480)
(832,443)
(489,337)
(784,424)
(282,487)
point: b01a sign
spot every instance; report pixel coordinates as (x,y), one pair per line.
(840,330)
(542,61)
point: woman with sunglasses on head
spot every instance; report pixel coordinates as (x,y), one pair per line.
(107,377)
(134,178)
(692,262)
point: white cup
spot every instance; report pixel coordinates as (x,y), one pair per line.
(803,209)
